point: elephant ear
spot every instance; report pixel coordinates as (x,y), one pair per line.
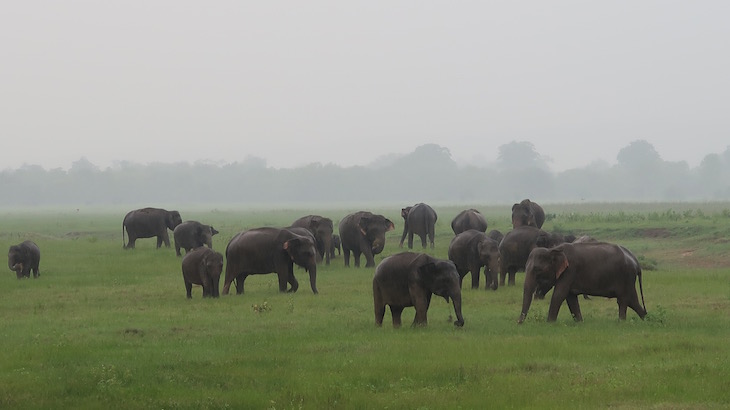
(290,246)
(426,272)
(560,262)
(364,224)
(389,225)
(213,231)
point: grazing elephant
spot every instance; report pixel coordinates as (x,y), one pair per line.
(527,213)
(336,244)
(419,219)
(496,235)
(409,279)
(472,249)
(192,234)
(202,266)
(266,250)
(363,233)
(468,219)
(149,222)
(515,248)
(24,257)
(590,268)
(322,229)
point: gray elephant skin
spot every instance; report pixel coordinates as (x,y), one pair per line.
(468,219)
(363,233)
(148,223)
(322,228)
(527,213)
(470,251)
(24,258)
(336,245)
(419,219)
(202,266)
(193,234)
(410,279)
(270,250)
(496,235)
(515,248)
(591,268)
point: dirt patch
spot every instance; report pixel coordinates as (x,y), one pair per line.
(656,233)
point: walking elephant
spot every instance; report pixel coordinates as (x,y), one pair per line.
(419,219)
(336,244)
(322,228)
(516,247)
(589,268)
(202,266)
(24,258)
(266,250)
(192,234)
(410,279)
(149,222)
(472,249)
(468,219)
(527,213)
(363,233)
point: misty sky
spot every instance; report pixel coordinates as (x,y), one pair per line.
(347,81)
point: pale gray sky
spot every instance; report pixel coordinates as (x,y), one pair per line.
(297,82)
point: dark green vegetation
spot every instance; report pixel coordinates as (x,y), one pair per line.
(105,327)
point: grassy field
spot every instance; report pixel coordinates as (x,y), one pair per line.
(108,328)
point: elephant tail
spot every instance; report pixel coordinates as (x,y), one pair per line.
(124,245)
(641,290)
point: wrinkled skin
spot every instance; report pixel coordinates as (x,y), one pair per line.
(149,222)
(202,266)
(363,233)
(470,251)
(515,248)
(270,250)
(336,244)
(322,229)
(590,268)
(419,219)
(193,234)
(496,235)
(24,258)
(410,279)
(468,219)
(527,213)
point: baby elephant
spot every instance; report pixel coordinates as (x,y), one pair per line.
(409,279)
(202,266)
(192,234)
(23,258)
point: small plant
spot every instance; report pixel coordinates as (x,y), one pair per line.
(658,316)
(262,308)
(647,264)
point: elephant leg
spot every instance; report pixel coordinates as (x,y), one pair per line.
(239,283)
(636,306)
(621,308)
(396,312)
(421,306)
(159,241)
(293,282)
(574,307)
(177,249)
(369,259)
(512,275)
(379,309)
(189,289)
(132,240)
(410,240)
(475,278)
(423,241)
(283,280)
(557,299)
(165,238)
(502,275)
(347,258)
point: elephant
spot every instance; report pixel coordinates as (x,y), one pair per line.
(589,268)
(202,266)
(515,248)
(472,249)
(322,228)
(336,244)
(24,258)
(419,219)
(266,250)
(527,213)
(149,222)
(496,235)
(468,219)
(363,233)
(410,279)
(192,234)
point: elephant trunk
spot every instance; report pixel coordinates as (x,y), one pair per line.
(378,246)
(327,245)
(313,277)
(456,299)
(527,293)
(215,287)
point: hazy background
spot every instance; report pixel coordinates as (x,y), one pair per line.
(346,82)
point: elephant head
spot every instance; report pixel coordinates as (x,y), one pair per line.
(173,219)
(16,256)
(211,266)
(322,228)
(206,233)
(488,250)
(373,228)
(441,278)
(543,268)
(302,252)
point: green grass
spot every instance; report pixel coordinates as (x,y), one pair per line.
(108,328)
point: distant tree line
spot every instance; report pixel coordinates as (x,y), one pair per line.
(429,173)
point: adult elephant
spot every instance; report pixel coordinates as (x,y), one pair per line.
(24,258)
(322,228)
(410,279)
(515,248)
(363,233)
(202,266)
(590,268)
(149,222)
(193,234)
(266,250)
(419,219)
(527,213)
(472,249)
(468,219)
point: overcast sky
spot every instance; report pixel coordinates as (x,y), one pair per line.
(344,82)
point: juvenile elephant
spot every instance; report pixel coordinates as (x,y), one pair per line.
(410,279)
(149,222)
(515,248)
(363,233)
(527,213)
(590,268)
(472,249)
(336,244)
(322,229)
(419,219)
(266,250)
(496,235)
(24,258)
(192,234)
(468,219)
(202,266)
